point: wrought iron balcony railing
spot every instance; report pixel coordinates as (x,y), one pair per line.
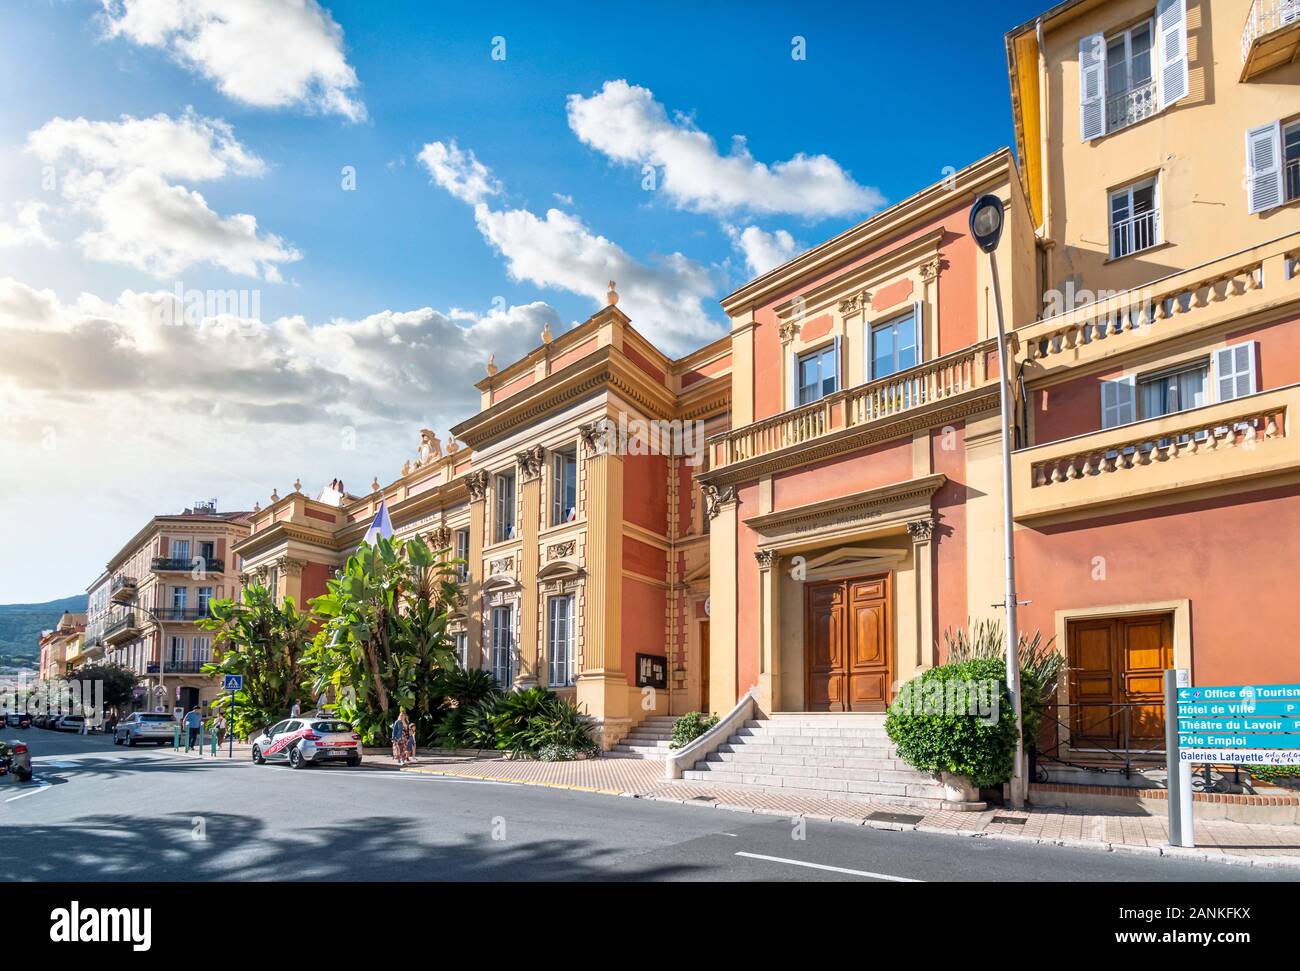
(1124,108)
(1270,37)
(186,564)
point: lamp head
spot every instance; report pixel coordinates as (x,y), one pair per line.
(987,218)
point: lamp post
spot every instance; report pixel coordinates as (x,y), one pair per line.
(987,220)
(162,647)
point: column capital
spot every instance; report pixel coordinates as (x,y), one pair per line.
(921,530)
(715,497)
(477,483)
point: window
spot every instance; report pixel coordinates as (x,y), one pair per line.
(1234,371)
(207,551)
(181,549)
(559,640)
(177,654)
(564,486)
(462,554)
(205,599)
(893,346)
(1272,166)
(817,374)
(1173,391)
(1134,219)
(178,598)
(1291,159)
(1134,73)
(504,491)
(503,645)
(201,649)
(1118,403)
(462,649)
(1130,83)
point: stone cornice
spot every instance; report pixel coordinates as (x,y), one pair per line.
(279,533)
(845,440)
(815,514)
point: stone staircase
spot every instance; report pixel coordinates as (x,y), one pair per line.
(830,756)
(648,739)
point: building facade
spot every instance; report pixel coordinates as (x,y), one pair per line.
(145,606)
(61,647)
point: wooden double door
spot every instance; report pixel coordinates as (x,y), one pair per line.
(1117,667)
(848,645)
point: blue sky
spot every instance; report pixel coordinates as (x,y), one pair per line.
(886,98)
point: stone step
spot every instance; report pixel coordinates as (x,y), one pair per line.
(827,720)
(741,755)
(911,794)
(813,731)
(802,749)
(886,772)
(650,732)
(759,736)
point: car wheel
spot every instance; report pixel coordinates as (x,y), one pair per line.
(257,755)
(354,762)
(130,741)
(295,758)
(24,775)
(116,740)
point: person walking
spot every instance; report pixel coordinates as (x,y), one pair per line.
(296,710)
(193,722)
(410,743)
(399,737)
(219,723)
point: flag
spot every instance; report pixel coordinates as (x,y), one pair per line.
(382,526)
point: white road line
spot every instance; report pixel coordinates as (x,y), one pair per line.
(833,869)
(30,792)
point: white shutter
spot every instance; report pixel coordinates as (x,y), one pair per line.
(1264,167)
(1092,87)
(794,380)
(1234,371)
(1171,36)
(1118,402)
(918,324)
(840,376)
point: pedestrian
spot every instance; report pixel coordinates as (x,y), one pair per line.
(410,742)
(220,724)
(399,737)
(193,722)
(296,710)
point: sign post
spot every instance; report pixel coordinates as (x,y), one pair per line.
(1178,773)
(231,683)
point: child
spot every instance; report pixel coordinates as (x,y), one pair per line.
(410,743)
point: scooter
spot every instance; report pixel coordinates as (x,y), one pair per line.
(16,760)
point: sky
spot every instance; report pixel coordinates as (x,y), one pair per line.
(248,242)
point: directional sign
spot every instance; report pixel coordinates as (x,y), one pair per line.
(1234,709)
(232,682)
(1241,756)
(1236,740)
(1244,693)
(1240,724)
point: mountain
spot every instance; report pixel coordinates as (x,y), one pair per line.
(21,626)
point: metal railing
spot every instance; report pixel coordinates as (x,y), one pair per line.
(126,620)
(181,667)
(1102,731)
(1134,234)
(1265,17)
(183,614)
(1292,172)
(1125,108)
(183,564)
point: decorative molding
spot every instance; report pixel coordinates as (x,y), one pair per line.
(289,566)
(764,558)
(531,462)
(851,510)
(439,537)
(557,550)
(477,483)
(788,330)
(855,304)
(502,564)
(715,497)
(244,578)
(930,270)
(594,436)
(921,530)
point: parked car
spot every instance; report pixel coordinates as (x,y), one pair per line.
(42,720)
(15,758)
(69,723)
(308,741)
(18,719)
(144,726)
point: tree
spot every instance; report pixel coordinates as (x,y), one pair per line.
(119,682)
(383,644)
(266,643)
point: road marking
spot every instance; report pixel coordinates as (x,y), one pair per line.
(833,869)
(47,764)
(30,792)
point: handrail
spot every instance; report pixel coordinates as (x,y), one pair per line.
(678,761)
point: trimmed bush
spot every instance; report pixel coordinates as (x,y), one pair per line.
(691,726)
(932,725)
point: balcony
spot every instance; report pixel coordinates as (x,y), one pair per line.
(123,590)
(1228,289)
(122,628)
(1126,108)
(1271,37)
(914,390)
(187,564)
(1205,448)
(179,667)
(181,615)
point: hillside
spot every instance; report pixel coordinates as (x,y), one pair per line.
(21,626)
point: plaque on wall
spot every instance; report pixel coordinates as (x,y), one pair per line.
(651,671)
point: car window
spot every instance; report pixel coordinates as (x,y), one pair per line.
(329,727)
(293,726)
(153,718)
(277,728)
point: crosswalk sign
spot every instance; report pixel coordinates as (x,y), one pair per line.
(232,682)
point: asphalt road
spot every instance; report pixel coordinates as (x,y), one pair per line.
(95,812)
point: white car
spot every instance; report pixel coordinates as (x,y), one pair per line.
(308,741)
(144,726)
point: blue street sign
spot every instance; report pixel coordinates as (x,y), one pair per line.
(1238,723)
(232,682)
(1228,740)
(1235,709)
(1241,693)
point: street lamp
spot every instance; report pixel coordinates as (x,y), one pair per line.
(987,220)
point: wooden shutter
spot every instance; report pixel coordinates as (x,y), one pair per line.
(1234,371)
(1092,87)
(1171,39)
(1264,184)
(1118,402)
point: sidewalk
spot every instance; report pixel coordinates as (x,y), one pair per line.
(1243,844)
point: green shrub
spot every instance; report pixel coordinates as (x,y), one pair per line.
(691,726)
(464,689)
(469,726)
(560,726)
(1040,666)
(1273,773)
(930,724)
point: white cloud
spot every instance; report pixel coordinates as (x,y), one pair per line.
(118,179)
(27,228)
(664,298)
(459,172)
(265,53)
(626,123)
(762,250)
